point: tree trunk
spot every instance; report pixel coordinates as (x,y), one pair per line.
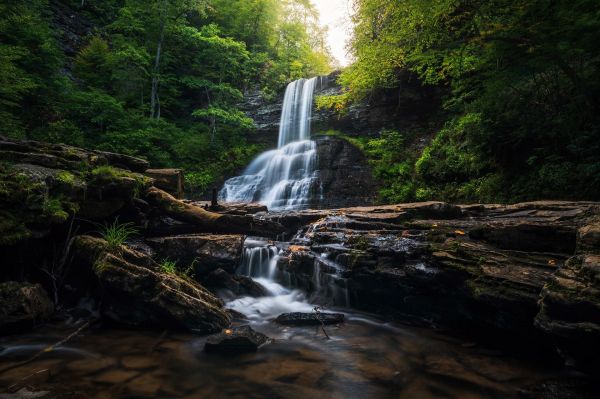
(210,222)
(154,100)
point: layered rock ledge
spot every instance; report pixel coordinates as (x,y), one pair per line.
(523,274)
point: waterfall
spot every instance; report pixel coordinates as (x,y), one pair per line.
(259,261)
(284,178)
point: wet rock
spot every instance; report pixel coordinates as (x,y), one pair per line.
(345,176)
(588,238)
(204,252)
(236,340)
(309,319)
(26,393)
(570,311)
(22,306)
(470,267)
(220,280)
(134,291)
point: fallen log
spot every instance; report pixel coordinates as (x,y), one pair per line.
(204,221)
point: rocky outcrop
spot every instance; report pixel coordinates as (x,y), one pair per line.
(499,270)
(346,178)
(22,306)
(133,290)
(203,253)
(402,109)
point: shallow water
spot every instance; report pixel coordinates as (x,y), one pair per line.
(365,358)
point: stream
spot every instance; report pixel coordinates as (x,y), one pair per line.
(365,357)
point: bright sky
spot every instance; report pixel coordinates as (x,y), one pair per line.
(335,14)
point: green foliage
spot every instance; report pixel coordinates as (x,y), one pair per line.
(116,234)
(522,107)
(195,58)
(168,266)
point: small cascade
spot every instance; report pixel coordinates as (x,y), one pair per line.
(284,178)
(287,291)
(259,261)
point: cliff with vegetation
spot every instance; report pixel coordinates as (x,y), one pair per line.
(519,98)
(160,80)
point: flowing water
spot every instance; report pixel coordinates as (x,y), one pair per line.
(365,357)
(284,178)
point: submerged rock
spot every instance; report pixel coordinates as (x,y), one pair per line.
(236,340)
(134,291)
(22,306)
(309,319)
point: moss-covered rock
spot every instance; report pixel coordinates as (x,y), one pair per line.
(133,290)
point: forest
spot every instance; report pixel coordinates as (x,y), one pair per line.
(518,118)
(158,79)
(206,199)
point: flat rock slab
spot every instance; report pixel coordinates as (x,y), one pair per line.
(309,319)
(241,339)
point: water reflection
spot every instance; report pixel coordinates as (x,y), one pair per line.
(364,359)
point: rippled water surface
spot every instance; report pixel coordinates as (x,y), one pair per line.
(364,358)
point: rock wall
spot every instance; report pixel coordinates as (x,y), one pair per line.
(410,105)
(345,176)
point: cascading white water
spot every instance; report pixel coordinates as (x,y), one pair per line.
(259,261)
(283,178)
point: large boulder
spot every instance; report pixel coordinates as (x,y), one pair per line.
(133,290)
(203,252)
(22,306)
(588,238)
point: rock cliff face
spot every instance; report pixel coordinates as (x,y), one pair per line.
(344,174)
(409,106)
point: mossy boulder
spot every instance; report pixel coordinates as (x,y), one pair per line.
(134,291)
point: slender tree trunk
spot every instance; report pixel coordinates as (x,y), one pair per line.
(154,100)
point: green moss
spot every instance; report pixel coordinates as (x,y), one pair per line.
(65,177)
(52,210)
(108,174)
(12,228)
